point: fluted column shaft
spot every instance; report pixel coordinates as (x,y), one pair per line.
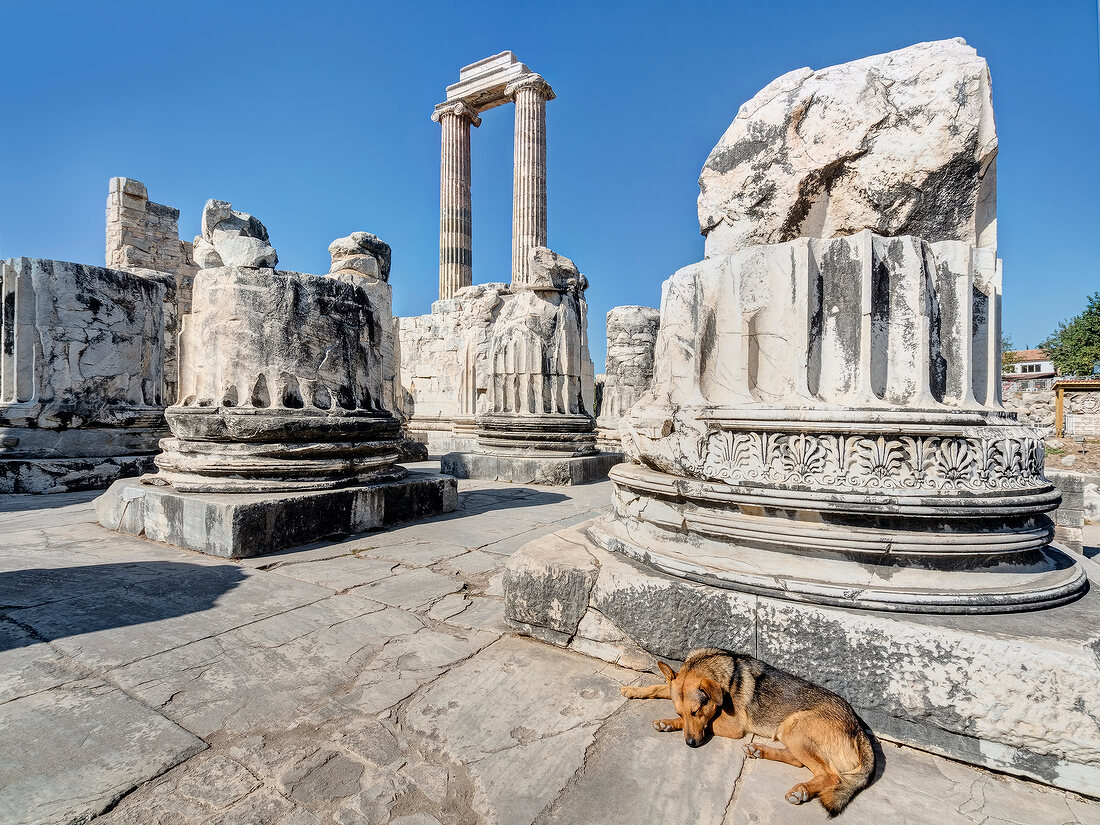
(455,218)
(529,171)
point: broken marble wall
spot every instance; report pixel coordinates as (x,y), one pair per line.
(81,374)
(631,337)
(143,237)
(443,365)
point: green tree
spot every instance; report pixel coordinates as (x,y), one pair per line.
(1008,357)
(1075,346)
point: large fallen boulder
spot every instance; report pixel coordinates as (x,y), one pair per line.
(901,143)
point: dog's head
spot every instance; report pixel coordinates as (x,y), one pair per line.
(698,700)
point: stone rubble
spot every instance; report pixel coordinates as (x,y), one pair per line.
(232,239)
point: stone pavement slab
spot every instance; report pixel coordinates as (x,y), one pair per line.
(371,680)
(633,768)
(69,752)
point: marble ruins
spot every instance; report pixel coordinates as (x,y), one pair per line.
(822,456)
(499,375)
(281,411)
(631,337)
(808,452)
(88,358)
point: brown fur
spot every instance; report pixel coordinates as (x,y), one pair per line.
(728,694)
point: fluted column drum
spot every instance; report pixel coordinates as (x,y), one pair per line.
(455,206)
(824,424)
(529,172)
(280,386)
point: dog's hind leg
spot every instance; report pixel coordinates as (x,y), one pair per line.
(651,692)
(758,751)
(805,791)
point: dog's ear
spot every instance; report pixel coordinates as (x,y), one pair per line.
(713,690)
(668,672)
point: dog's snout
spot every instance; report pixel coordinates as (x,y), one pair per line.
(692,742)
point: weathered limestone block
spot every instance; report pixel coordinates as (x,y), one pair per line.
(902,143)
(364,254)
(281,385)
(142,234)
(538,428)
(233,239)
(536,403)
(361,252)
(81,385)
(143,238)
(631,337)
(281,435)
(822,468)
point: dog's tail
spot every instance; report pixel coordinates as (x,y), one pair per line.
(852,782)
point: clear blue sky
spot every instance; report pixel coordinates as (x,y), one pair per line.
(315,117)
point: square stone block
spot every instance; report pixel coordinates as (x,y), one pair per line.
(551,471)
(238,525)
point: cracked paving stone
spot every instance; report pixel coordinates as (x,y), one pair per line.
(914,787)
(29,665)
(483,614)
(520,733)
(410,589)
(269,673)
(68,753)
(341,573)
(473,564)
(621,767)
(216,780)
(418,554)
(450,605)
(370,739)
(327,778)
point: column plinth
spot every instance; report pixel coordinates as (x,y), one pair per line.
(455,218)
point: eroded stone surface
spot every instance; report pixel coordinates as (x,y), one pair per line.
(101,744)
(901,143)
(232,239)
(631,338)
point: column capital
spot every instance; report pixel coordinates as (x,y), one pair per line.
(458,108)
(530,81)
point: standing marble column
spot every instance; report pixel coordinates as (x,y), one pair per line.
(530,94)
(455,217)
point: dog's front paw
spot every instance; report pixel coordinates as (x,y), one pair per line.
(752,752)
(665,726)
(630,692)
(797,795)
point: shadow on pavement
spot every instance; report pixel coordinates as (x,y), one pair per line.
(69,601)
(22,502)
